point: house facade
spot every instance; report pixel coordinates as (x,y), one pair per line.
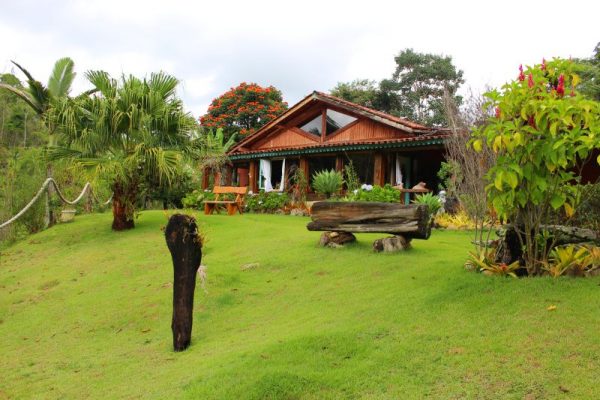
(325,132)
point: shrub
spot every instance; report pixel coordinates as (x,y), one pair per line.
(588,212)
(196,198)
(430,200)
(266,202)
(385,194)
(460,220)
(327,182)
(300,187)
(351,177)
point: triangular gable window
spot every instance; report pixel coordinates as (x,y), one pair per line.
(334,121)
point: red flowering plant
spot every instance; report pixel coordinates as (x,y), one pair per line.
(540,136)
(242,110)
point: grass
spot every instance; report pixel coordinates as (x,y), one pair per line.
(85,313)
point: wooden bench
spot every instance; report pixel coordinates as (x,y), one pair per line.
(340,220)
(211,206)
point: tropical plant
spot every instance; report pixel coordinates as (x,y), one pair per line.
(431,201)
(460,220)
(134,131)
(351,177)
(211,147)
(567,259)
(266,202)
(541,130)
(484,262)
(244,109)
(300,186)
(327,182)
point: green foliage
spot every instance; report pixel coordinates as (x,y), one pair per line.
(135,132)
(450,174)
(196,198)
(587,214)
(415,90)
(264,202)
(300,186)
(539,134)
(431,201)
(589,69)
(385,194)
(351,177)
(360,91)
(210,147)
(327,182)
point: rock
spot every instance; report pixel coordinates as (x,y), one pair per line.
(391,244)
(336,239)
(298,212)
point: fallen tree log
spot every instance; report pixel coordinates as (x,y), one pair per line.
(410,221)
(185,246)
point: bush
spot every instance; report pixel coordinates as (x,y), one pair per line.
(266,202)
(385,194)
(196,198)
(327,182)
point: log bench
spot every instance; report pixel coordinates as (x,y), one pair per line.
(340,220)
(232,206)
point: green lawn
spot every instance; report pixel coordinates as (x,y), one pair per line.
(86,313)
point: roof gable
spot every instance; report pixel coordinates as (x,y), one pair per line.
(283,131)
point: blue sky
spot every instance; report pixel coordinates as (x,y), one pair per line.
(296,46)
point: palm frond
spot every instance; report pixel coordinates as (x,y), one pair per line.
(102,82)
(163,83)
(39,95)
(59,83)
(23,95)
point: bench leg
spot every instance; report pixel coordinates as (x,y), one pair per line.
(207,209)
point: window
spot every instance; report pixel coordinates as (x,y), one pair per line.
(313,126)
(334,121)
(337,120)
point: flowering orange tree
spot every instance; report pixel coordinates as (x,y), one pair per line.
(542,129)
(244,109)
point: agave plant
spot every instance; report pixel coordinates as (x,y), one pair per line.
(431,201)
(327,182)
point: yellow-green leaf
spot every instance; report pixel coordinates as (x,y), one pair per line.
(477,145)
(569,210)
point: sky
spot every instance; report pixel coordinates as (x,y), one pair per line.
(296,46)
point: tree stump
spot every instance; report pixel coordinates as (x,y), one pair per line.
(335,239)
(392,244)
(185,246)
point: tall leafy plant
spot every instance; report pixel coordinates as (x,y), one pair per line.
(327,182)
(541,130)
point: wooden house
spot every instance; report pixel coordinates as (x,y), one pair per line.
(325,132)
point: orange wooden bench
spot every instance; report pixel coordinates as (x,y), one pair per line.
(211,206)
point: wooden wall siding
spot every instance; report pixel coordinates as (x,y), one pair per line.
(365,130)
(287,138)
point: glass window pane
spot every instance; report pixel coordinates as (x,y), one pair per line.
(314,126)
(337,120)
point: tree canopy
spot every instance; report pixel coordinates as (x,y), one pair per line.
(244,109)
(132,132)
(415,90)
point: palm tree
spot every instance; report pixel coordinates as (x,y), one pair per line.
(132,131)
(39,97)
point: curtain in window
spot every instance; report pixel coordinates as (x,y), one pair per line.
(265,170)
(398,171)
(282,183)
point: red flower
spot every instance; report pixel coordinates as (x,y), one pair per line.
(521,74)
(560,89)
(497,112)
(543,64)
(530,81)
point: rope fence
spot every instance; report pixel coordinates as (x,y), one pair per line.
(44,187)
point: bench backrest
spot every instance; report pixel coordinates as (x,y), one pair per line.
(239,191)
(230,189)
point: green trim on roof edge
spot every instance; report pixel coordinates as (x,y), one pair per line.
(333,149)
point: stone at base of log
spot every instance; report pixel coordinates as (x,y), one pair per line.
(391,244)
(336,239)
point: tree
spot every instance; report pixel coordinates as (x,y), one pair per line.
(39,97)
(244,109)
(541,130)
(415,90)
(360,91)
(133,132)
(589,69)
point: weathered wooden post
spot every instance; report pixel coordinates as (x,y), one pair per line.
(185,246)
